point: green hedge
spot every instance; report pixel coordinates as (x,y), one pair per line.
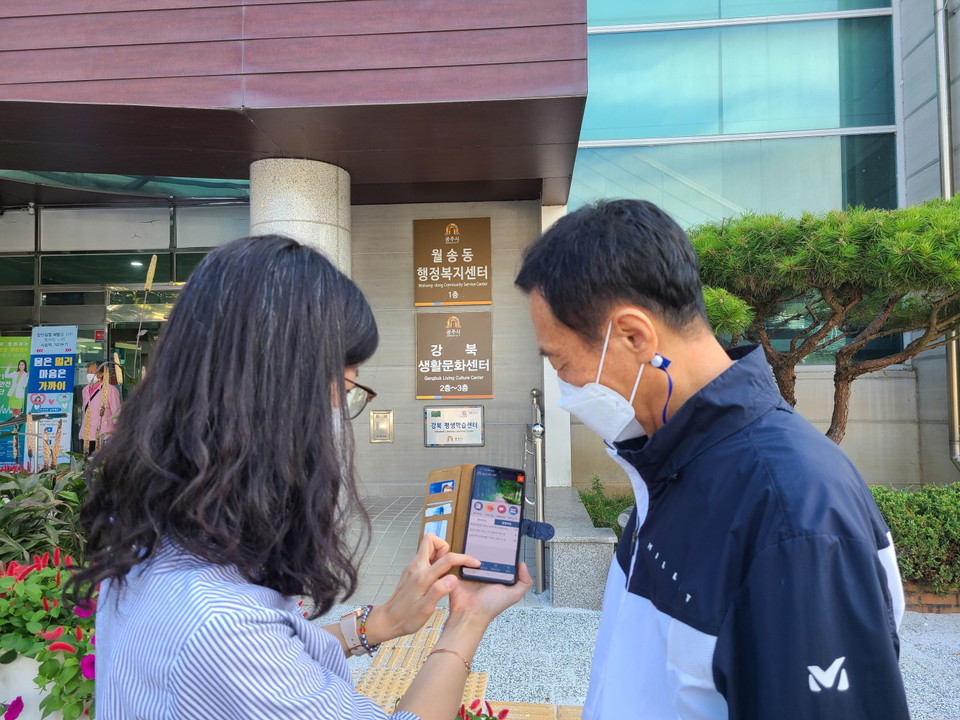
(925,524)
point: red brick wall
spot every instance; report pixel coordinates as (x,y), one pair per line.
(922,599)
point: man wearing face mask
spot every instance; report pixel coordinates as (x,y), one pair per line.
(756,578)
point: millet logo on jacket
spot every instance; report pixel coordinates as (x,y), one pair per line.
(819,678)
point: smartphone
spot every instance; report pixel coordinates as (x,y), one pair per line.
(493,524)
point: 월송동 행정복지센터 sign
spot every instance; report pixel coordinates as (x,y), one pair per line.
(452,262)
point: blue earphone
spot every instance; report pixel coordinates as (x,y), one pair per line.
(659,361)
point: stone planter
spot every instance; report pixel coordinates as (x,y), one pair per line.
(16,679)
(923,599)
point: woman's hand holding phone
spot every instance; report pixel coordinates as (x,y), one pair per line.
(423,582)
(487,600)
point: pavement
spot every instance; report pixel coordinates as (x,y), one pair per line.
(535,653)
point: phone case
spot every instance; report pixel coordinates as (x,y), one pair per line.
(459,499)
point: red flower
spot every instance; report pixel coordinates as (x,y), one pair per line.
(475,704)
(14,709)
(46,604)
(68,561)
(56,557)
(56,603)
(502,714)
(24,571)
(65,647)
(78,634)
(489,709)
(45,560)
(53,634)
(88,666)
(58,578)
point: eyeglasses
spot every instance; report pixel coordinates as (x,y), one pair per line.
(357,398)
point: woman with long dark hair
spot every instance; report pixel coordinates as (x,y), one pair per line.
(225,492)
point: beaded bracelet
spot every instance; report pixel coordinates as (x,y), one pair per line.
(362,631)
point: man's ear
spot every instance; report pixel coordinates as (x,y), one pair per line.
(635,329)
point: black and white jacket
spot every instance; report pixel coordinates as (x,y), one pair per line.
(756,578)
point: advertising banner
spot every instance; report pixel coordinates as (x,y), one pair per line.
(14,373)
(452,262)
(454,355)
(53,353)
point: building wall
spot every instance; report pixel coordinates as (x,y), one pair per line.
(383,268)
(920,163)
(921,172)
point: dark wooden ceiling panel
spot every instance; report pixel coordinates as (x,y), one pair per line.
(364,17)
(32,32)
(415,85)
(413,50)
(77,7)
(122,62)
(437,99)
(225,91)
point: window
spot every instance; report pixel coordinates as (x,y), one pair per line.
(754,78)
(702,182)
(625,12)
(16,270)
(101,269)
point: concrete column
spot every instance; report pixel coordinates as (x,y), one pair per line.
(557,451)
(307,200)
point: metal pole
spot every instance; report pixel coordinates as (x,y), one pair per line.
(537,431)
(946,186)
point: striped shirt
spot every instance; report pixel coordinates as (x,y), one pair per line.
(187,640)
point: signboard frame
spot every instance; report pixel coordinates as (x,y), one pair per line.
(452,260)
(454,353)
(471,437)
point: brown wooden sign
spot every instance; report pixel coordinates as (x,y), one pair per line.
(451,260)
(454,355)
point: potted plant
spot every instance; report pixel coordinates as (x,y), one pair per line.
(40,535)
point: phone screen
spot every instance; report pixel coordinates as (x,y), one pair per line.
(493,524)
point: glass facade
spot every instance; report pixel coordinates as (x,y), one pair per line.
(16,270)
(628,12)
(702,182)
(753,78)
(712,119)
(97,269)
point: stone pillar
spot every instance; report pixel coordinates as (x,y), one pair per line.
(307,200)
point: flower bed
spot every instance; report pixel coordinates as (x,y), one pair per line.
(35,623)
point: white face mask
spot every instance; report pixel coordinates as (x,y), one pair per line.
(602,409)
(90,378)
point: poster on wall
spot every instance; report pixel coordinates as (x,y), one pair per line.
(14,372)
(451,260)
(454,355)
(53,353)
(453,426)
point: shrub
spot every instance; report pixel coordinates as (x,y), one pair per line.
(925,525)
(40,511)
(604,508)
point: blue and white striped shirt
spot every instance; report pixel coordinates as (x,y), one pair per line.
(187,640)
